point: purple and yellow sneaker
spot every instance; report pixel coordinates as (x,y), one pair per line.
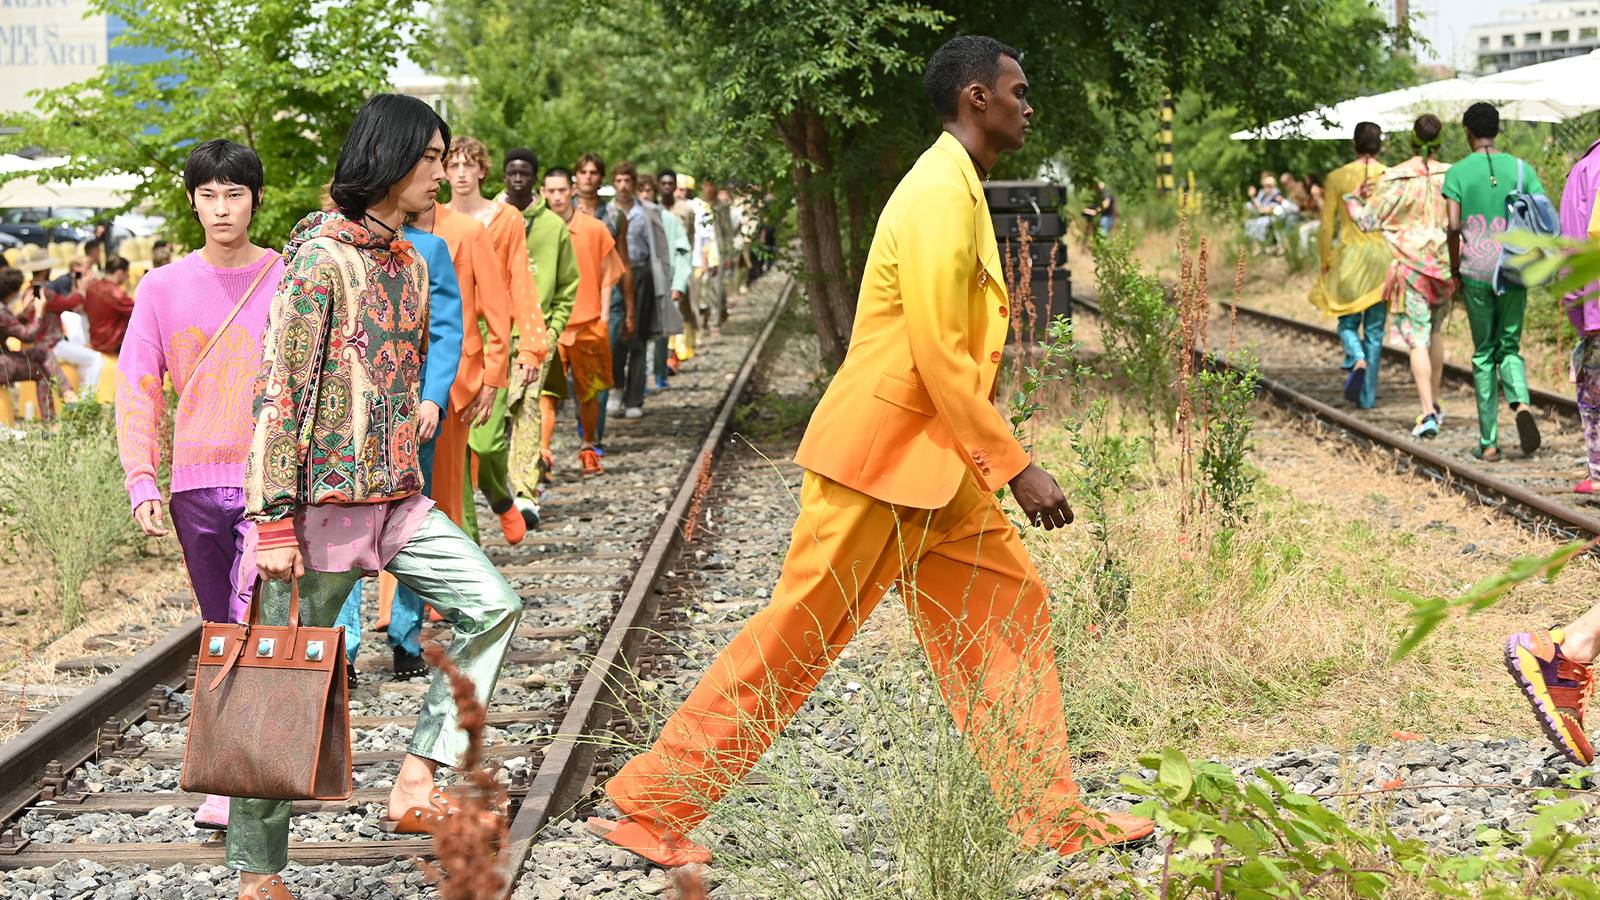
(1557,688)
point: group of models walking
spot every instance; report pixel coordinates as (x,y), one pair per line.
(331,397)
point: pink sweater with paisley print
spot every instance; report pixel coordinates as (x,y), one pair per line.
(178,308)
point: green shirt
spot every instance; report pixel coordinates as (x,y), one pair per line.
(555,266)
(1480,184)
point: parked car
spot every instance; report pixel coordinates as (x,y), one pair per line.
(10,241)
(27,224)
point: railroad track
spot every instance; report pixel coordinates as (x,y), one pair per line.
(1535,489)
(600,592)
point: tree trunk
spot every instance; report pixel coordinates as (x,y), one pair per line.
(831,340)
(817,210)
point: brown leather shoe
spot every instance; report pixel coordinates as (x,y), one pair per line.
(430,819)
(274,889)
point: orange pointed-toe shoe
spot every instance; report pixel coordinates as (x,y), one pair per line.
(667,850)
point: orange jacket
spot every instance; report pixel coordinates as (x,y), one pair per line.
(510,236)
(483,298)
(909,412)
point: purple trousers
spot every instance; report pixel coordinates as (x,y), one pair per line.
(219,549)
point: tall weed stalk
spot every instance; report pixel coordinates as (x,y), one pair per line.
(61,494)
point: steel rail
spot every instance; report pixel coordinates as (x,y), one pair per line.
(1452,472)
(1560,403)
(70,733)
(567,761)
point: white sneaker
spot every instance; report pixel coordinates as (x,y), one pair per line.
(634,412)
(614,405)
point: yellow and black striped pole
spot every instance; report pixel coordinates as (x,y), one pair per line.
(1164,180)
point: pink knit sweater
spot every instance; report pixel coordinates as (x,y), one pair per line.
(177,310)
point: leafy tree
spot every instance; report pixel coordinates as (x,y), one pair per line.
(284,77)
(833,87)
(564,77)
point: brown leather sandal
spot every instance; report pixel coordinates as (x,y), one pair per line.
(273,889)
(429,819)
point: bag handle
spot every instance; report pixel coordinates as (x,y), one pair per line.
(253,619)
(245,298)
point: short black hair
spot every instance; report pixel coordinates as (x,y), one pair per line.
(93,243)
(1482,120)
(667,173)
(224,162)
(960,62)
(389,134)
(1369,138)
(116,264)
(158,245)
(522,153)
(557,172)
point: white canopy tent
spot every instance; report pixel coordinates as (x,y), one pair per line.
(102,192)
(1548,92)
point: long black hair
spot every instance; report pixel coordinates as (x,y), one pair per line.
(388,136)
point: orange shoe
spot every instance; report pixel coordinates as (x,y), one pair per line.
(1091,828)
(667,850)
(272,889)
(590,462)
(511,523)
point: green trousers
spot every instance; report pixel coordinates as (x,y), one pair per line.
(451,575)
(1496,352)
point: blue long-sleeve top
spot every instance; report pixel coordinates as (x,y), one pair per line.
(444,318)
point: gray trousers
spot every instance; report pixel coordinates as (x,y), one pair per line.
(451,574)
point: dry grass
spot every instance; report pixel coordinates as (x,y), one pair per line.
(1279,634)
(119,624)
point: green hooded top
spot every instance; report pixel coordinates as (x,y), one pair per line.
(555,267)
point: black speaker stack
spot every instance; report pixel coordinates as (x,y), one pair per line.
(1038,205)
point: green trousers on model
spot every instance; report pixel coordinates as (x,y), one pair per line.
(452,575)
(1496,322)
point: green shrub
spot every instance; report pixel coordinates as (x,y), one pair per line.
(1226,478)
(61,493)
(1137,325)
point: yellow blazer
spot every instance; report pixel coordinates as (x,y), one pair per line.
(910,411)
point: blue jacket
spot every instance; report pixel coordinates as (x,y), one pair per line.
(444,318)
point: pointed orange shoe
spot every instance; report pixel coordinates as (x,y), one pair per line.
(668,851)
(272,889)
(1091,828)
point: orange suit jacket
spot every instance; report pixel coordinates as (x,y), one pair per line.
(483,297)
(909,413)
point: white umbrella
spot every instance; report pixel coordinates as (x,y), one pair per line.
(1532,94)
(100,192)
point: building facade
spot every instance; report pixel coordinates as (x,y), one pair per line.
(1534,33)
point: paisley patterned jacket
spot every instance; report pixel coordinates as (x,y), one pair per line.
(336,404)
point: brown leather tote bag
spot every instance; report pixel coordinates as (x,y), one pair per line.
(271,711)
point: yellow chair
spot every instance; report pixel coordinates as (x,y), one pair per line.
(8,409)
(12,254)
(71,371)
(106,389)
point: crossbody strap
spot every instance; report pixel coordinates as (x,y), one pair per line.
(245,298)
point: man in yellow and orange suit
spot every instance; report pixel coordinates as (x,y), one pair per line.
(903,458)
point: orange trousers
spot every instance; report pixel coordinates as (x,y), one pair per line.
(976,605)
(448,493)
